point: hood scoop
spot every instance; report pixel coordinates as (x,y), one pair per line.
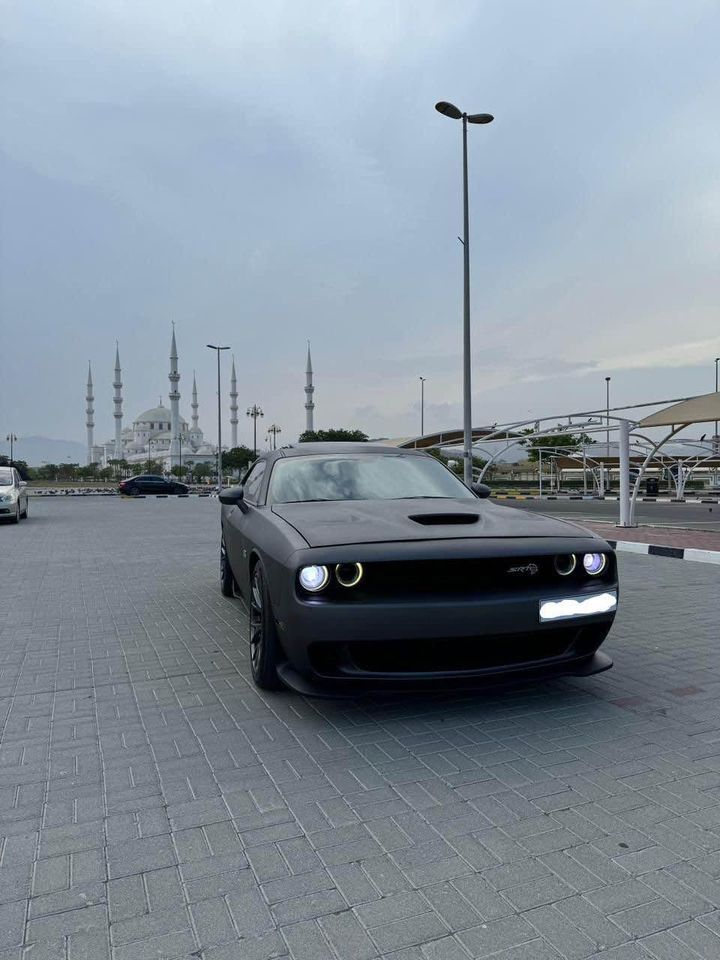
(444,519)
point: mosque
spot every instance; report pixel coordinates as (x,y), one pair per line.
(162,434)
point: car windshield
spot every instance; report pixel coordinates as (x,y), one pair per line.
(6,477)
(362,476)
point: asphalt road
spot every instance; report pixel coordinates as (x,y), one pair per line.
(691,516)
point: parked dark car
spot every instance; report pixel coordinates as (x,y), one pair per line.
(369,565)
(148,484)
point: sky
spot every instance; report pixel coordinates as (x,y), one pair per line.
(264,173)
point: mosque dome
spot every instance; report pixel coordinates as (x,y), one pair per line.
(154,415)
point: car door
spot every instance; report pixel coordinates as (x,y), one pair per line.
(239,523)
(22,492)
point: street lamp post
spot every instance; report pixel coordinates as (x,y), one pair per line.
(607,432)
(12,440)
(181,439)
(274,430)
(717,361)
(254,411)
(422,406)
(219,415)
(450,110)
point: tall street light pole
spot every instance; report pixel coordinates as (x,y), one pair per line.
(717,361)
(422,406)
(607,414)
(219,415)
(254,411)
(450,110)
(273,431)
(12,440)
(607,432)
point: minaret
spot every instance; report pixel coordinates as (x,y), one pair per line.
(233,407)
(309,391)
(174,397)
(194,406)
(117,400)
(90,417)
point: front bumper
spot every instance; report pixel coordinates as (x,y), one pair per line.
(434,638)
(8,507)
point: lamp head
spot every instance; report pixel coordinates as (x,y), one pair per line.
(448,110)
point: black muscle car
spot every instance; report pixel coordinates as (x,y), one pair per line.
(367,565)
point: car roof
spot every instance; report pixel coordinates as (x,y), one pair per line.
(335,447)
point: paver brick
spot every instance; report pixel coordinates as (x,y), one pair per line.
(138,763)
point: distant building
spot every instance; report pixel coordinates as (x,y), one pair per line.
(159,433)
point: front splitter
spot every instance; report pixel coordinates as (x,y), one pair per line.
(341,688)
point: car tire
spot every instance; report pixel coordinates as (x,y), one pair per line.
(24,514)
(264,642)
(16,517)
(227,579)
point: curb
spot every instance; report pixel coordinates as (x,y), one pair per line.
(674,553)
(610,499)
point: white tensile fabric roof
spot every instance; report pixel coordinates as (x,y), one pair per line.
(701,409)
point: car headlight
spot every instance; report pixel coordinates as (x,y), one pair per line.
(348,574)
(314,578)
(565,564)
(594,563)
(8,498)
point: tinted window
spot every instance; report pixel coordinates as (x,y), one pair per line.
(362,477)
(251,487)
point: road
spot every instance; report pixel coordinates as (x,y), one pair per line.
(691,516)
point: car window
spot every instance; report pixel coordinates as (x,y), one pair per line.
(362,477)
(251,487)
(6,477)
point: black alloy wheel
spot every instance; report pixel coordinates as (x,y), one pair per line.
(264,643)
(227,580)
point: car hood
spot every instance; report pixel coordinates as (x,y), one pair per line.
(334,523)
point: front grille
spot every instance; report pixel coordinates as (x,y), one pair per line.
(406,579)
(454,654)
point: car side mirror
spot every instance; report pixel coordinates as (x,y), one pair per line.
(23,483)
(481,490)
(231,496)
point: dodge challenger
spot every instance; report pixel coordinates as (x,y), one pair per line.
(368,566)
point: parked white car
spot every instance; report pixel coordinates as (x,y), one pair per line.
(13,495)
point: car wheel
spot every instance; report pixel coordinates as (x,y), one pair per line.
(24,514)
(264,643)
(227,580)
(16,518)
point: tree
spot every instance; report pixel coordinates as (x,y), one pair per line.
(178,471)
(120,467)
(555,443)
(336,434)
(20,465)
(153,466)
(201,470)
(48,471)
(67,471)
(237,458)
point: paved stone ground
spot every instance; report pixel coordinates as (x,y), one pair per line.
(700,539)
(154,805)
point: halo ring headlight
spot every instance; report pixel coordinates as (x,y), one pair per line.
(348,574)
(314,578)
(565,564)
(594,563)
